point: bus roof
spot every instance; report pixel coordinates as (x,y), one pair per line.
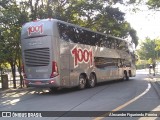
(56,21)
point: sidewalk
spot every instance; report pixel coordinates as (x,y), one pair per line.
(156,78)
(18,89)
(155,81)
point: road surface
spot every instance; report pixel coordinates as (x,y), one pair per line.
(137,94)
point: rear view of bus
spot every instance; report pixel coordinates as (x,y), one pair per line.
(39,51)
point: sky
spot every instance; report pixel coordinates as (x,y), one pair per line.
(146,22)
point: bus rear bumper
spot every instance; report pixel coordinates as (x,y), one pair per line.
(52,82)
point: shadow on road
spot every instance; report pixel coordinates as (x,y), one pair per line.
(75,89)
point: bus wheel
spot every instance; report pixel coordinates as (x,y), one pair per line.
(82,82)
(125,76)
(91,81)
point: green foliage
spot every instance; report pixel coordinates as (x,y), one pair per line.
(150,61)
(98,15)
(142,64)
(154,4)
(148,50)
(11,23)
(157,45)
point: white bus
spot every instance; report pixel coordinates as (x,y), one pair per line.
(59,54)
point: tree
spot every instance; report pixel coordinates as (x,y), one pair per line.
(11,35)
(2,60)
(157,41)
(153,4)
(98,15)
(147,50)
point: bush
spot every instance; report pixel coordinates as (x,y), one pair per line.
(142,66)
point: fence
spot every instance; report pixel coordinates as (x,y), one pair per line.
(10,82)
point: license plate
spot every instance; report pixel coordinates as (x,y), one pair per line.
(38,83)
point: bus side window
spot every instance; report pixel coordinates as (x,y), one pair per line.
(87,38)
(116,44)
(105,42)
(63,32)
(113,44)
(109,43)
(65,35)
(121,62)
(60,28)
(71,34)
(122,45)
(94,41)
(79,35)
(102,41)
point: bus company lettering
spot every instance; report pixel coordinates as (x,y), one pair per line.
(35,29)
(82,56)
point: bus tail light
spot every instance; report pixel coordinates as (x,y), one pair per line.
(54,70)
(51,81)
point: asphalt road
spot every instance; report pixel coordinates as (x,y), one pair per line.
(137,94)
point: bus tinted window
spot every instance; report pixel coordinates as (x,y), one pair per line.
(63,32)
(102,62)
(109,42)
(122,45)
(78,35)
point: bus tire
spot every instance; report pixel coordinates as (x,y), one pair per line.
(130,73)
(125,76)
(82,82)
(91,82)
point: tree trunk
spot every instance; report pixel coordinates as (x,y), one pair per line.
(1,69)
(13,67)
(20,71)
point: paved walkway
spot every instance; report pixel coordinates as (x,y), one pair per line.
(156,78)
(18,89)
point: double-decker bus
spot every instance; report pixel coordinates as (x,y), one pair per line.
(59,54)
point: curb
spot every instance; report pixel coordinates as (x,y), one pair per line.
(155,84)
(156,87)
(152,77)
(158,83)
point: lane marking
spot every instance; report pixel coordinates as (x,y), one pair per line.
(124,105)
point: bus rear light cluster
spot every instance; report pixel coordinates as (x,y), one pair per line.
(54,70)
(51,81)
